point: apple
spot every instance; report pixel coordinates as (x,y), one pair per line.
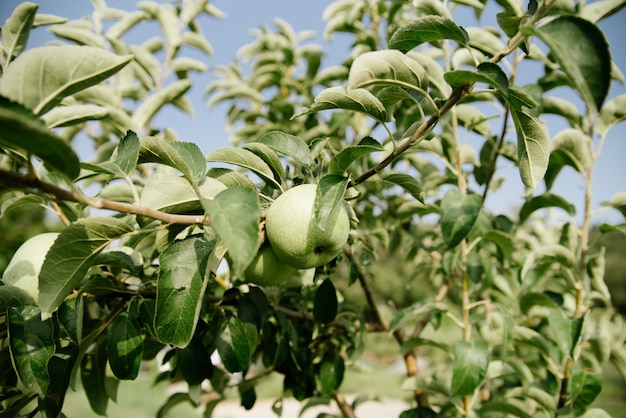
(23,269)
(294,235)
(267,269)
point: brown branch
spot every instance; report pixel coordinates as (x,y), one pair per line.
(379,324)
(60,194)
(345,408)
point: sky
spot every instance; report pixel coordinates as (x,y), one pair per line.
(208,130)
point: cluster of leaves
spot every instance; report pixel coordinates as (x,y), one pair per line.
(519,306)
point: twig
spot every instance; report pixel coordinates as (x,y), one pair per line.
(345,408)
(98,203)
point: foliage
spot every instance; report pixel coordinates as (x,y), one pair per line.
(516,305)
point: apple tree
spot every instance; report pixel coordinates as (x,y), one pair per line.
(351,204)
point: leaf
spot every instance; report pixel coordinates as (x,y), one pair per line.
(71,256)
(22,129)
(183,277)
(569,147)
(408,183)
(567,332)
(41,77)
(123,25)
(459,213)
(13,297)
(246,159)
(128,153)
(125,346)
(331,373)
(504,408)
(289,145)
(146,110)
(533,146)
(174,194)
(488,73)
(618,201)
(325,306)
(32,346)
(62,116)
(236,344)
(235,215)
(345,157)
(543,201)
(469,367)
(547,255)
(426,29)
(268,155)
(612,113)
(358,100)
(194,362)
(94,379)
(386,67)
(585,388)
(328,196)
(605,228)
(415,310)
(588,66)
(16,29)
(186,157)
(598,10)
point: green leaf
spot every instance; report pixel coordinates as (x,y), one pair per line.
(358,100)
(543,201)
(170,193)
(230,178)
(386,67)
(21,129)
(289,145)
(533,144)
(331,373)
(41,77)
(71,256)
(328,196)
(60,368)
(235,215)
(32,346)
(415,310)
(325,306)
(123,25)
(588,66)
(194,362)
(585,388)
(567,332)
(426,29)
(570,147)
(16,29)
(186,157)
(344,158)
(618,201)
(62,116)
(246,159)
(128,153)
(547,255)
(125,346)
(488,73)
(268,155)
(612,113)
(183,277)
(236,344)
(408,183)
(13,297)
(459,213)
(598,10)
(146,110)
(504,408)
(469,367)
(605,228)
(94,379)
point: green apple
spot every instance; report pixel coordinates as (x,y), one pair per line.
(294,234)
(267,269)
(23,269)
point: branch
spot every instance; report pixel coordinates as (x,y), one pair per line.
(58,193)
(410,358)
(345,408)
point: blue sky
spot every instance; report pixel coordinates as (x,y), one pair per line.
(207,129)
